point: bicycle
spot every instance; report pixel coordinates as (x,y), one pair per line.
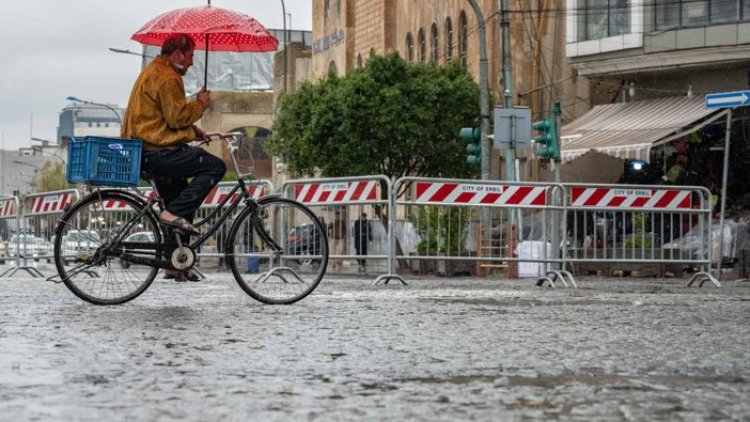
(260,235)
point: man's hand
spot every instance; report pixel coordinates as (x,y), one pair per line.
(199,133)
(205,97)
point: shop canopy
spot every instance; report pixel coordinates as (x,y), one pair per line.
(630,130)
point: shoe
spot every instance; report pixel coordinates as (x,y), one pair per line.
(170,274)
(181,276)
(189,276)
(181,224)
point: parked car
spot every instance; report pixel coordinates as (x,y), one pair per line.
(78,245)
(304,240)
(29,246)
(138,237)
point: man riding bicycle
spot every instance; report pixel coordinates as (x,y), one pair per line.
(164,120)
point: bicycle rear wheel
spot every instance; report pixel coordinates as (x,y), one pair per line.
(84,254)
(277,250)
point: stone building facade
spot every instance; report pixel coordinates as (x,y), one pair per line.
(346,32)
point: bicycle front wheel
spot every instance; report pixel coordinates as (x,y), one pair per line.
(277,250)
(89,263)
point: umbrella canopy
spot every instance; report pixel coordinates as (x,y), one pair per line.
(228,30)
(212,28)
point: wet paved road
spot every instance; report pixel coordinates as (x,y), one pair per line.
(447,349)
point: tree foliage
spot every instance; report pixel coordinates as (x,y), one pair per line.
(51,178)
(391,117)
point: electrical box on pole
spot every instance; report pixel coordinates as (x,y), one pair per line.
(512,128)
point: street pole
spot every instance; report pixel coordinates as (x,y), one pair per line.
(484,92)
(510,156)
(283,11)
(724,179)
(484,108)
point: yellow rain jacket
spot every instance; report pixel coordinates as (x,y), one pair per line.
(158,112)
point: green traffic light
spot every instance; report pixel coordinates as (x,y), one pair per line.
(548,138)
(474,149)
(542,125)
(474,136)
(471,134)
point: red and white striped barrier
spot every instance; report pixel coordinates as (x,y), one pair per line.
(625,198)
(480,194)
(112,205)
(337,192)
(7,208)
(49,203)
(220,192)
(213,199)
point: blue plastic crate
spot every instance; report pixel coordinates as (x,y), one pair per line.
(96,160)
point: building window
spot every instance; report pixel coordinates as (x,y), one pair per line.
(686,13)
(667,14)
(606,18)
(435,43)
(463,38)
(448,40)
(694,12)
(409,47)
(724,11)
(332,69)
(422,46)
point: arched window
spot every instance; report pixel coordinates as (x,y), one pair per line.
(435,43)
(359,61)
(463,38)
(448,40)
(422,46)
(409,47)
(332,68)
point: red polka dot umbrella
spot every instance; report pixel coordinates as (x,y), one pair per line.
(212,28)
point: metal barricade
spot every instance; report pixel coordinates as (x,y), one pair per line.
(9,226)
(629,224)
(356,214)
(452,227)
(34,236)
(214,248)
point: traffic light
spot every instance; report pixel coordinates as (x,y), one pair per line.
(548,139)
(474,136)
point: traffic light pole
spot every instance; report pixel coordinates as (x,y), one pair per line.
(510,153)
(559,227)
(484,92)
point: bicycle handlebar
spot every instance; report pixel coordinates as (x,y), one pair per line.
(222,136)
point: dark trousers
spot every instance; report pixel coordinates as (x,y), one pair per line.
(361,246)
(171,169)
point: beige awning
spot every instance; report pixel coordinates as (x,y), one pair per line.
(629,130)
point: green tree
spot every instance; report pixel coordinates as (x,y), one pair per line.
(51,177)
(391,117)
